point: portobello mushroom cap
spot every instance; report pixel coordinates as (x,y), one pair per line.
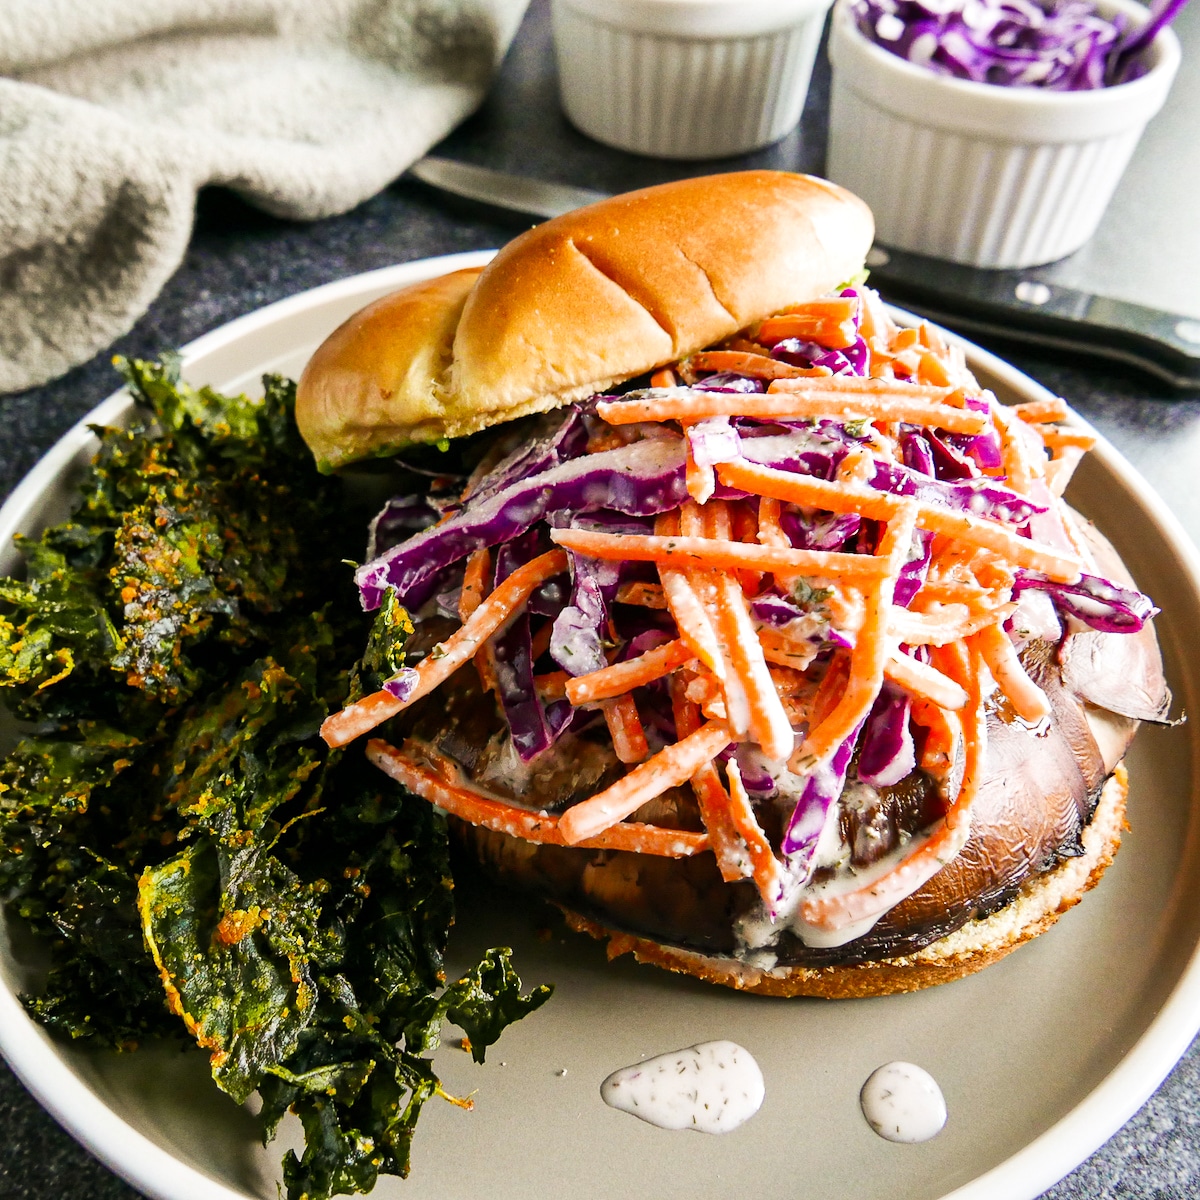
(1045,823)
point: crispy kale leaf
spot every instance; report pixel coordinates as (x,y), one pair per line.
(173,825)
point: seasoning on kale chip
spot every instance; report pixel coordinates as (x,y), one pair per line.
(172,824)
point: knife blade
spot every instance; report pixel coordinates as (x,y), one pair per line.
(513,193)
(1012,304)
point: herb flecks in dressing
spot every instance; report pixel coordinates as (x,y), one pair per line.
(711,1088)
(903,1103)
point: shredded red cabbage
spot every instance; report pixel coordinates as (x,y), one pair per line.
(822,787)
(916,567)
(983,497)
(641,479)
(816,530)
(401,684)
(729,381)
(512,652)
(1059,45)
(567,441)
(949,462)
(713,440)
(400,518)
(887,753)
(577,637)
(1098,603)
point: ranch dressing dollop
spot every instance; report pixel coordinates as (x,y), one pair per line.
(711,1088)
(903,1103)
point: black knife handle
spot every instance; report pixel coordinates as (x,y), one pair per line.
(1021,305)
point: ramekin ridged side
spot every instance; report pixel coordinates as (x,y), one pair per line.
(681,97)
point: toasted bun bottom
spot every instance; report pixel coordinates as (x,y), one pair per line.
(979,943)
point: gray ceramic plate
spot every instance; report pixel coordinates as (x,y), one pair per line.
(1040,1057)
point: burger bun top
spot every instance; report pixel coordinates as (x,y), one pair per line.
(576,305)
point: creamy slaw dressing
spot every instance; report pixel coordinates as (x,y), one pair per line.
(712,1087)
(903,1103)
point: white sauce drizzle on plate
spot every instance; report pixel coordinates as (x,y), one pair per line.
(711,1088)
(903,1103)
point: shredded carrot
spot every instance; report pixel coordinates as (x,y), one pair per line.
(920,679)
(477,577)
(1019,466)
(931,369)
(874,322)
(1021,552)
(709,553)
(1028,700)
(1059,439)
(699,478)
(768,722)
(952,591)
(670,767)
(1037,411)
(744,521)
(625,729)
(837,497)
(839,308)
(756,366)
(779,648)
(726,607)
(943,624)
(833,912)
(770,533)
(356,719)
(943,732)
(807,490)
(827,322)
(692,523)
(871,649)
(792,682)
(622,677)
(553,685)
(478,808)
(796,398)
(767,871)
(644,595)
(833,684)
(686,608)
(711,797)
(931,338)
(746,346)
(664,377)
(733,860)
(691,619)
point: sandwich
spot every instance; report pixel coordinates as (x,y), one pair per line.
(731,616)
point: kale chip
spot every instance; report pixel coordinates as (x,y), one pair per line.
(171,822)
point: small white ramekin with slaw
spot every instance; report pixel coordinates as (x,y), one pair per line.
(985,166)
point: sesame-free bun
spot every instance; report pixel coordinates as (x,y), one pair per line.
(576,305)
(372,385)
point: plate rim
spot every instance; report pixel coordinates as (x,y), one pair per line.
(130,1154)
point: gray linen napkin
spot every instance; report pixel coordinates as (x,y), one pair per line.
(114,112)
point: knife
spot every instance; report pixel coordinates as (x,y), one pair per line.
(1010,304)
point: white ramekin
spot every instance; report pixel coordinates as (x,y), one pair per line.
(686,78)
(977,173)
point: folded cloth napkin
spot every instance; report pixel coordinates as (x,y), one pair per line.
(114,112)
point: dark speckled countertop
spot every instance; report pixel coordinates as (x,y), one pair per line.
(240,259)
